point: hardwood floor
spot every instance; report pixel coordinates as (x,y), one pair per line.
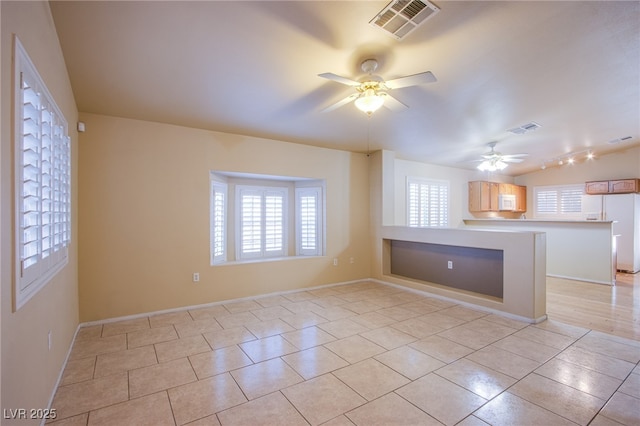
(610,309)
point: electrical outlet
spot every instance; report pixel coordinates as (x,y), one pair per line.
(352,260)
(49,340)
(196,277)
(335,261)
(450,264)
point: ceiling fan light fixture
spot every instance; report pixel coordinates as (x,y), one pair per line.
(369,101)
(492,165)
(485,166)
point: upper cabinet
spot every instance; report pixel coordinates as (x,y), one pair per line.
(624,186)
(521,198)
(483,196)
(621,186)
(600,187)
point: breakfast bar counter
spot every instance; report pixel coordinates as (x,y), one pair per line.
(501,271)
(582,250)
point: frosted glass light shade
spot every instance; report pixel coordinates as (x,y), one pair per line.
(492,165)
(369,101)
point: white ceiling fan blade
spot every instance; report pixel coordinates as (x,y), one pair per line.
(512,160)
(516,155)
(392,103)
(341,102)
(339,79)
(411,80)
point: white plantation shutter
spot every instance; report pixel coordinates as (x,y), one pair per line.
(274,222)
(262,218)
(427,203)
(251,222)
(262,222)
(546,201)
(218,222)
(571,200)
(309,221)
(43,184)
(558,201)
(31,188)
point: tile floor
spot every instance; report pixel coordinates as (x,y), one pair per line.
(363,354)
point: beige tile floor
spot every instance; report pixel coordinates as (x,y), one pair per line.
(363,354)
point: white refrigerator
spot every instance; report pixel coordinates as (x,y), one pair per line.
(624,210)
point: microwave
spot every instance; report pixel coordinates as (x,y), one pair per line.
(507,202)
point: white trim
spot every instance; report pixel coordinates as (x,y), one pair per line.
(221,302)
(221,188)
(557,189)
(411,180)
(263,193)
(49,185)
(265,259)
(586,280)
(318,195)
(291,187)
(322,286)
(466,304)
(61,373)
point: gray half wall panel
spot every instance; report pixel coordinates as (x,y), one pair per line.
(474,269)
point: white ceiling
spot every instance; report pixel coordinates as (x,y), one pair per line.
(251,68)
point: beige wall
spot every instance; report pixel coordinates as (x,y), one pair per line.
(458,187)
(144,216)
(29,369)
(621,165)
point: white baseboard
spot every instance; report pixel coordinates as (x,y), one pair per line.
(280,293)
(208,305)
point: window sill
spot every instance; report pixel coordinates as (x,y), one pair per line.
(264,260)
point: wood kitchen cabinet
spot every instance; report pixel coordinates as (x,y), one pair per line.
(521,198)
(620,186)
(506,188)
(598,187)
(624,186)
(483,196)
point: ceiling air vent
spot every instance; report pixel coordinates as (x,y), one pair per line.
(529,127)
(400,17)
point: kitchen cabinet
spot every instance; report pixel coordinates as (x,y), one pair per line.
(599,187)
(483,196)
(620,186)
(624,186)
(521,198)
(506,188)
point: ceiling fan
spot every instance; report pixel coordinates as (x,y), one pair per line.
(494,160)
(371,91)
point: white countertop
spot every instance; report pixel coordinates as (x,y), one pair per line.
(501,220)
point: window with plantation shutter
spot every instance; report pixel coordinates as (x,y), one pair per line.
(546,201)
(261,221)
(218,222)
(571,200)
(558,201)
(427,203)
(252,217)
(309,221)
(43,181)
